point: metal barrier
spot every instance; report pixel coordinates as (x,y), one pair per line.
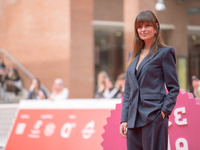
(8,114)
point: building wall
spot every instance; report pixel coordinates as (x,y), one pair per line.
(192,19)
(55,38)
(51,39)
(175,14)
(37,34)
(108,10)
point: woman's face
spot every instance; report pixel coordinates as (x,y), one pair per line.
(11,72)
(108,83)
(1,60)
(122,82)
(146,31)
(195,83)
(101,78)
(58,86)
(35,83)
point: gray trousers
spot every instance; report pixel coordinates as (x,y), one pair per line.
(153,136)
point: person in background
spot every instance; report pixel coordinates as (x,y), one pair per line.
(198,89)
(110,91)
(120,84)
(12,81)
(195,85)
(59,92)
(102,75)
(35,90)
(2,69)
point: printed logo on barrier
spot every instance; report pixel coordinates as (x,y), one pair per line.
(20,128)
(41,127)
(88,130)
(49,129)
(180,143)
(35,133)
(67,129)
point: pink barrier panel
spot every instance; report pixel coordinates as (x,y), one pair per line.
(184,124)
(82,125)
(70,125)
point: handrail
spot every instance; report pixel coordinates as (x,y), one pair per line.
(20,66)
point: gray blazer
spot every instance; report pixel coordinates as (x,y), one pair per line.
(145,91)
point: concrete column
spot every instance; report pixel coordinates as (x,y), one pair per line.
(82,49)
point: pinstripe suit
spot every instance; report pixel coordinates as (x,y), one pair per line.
(145,93)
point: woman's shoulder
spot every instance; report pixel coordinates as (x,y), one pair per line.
(130,53)
(166,49)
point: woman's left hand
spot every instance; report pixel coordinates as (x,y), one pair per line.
(123,129)
(163,115)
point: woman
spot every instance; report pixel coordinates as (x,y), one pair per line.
(35,91)
(120,85)
(102,75)
(12,81)
(2,70)
(110,91)
(196,87)
(146,105)
(59,92)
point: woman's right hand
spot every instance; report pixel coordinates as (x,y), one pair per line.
(123,129)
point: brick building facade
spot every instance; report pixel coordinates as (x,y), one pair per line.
(74,39)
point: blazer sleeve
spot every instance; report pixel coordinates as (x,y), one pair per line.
(171,80)
(125,106)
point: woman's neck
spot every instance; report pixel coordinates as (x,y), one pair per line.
(148,44)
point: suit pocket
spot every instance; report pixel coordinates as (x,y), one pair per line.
(156,96)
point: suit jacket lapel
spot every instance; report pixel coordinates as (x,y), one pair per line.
(132,70)
(144,61)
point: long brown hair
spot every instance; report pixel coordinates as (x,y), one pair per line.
(138,44)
